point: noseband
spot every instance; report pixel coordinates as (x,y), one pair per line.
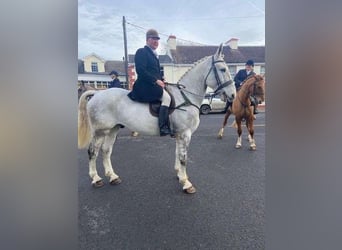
(219,83)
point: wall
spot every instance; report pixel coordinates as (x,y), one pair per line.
(89,59)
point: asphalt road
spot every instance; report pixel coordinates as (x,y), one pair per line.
(148,210)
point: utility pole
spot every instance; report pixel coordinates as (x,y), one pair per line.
(125,45)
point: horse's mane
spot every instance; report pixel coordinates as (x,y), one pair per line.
(193,66)
(248,79)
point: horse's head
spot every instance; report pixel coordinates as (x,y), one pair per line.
(219,78)
(259,88)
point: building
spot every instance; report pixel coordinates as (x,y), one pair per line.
(94,71)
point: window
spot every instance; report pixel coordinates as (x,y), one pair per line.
(124,85)
(92,84)
(232,71)
(99,84)
(262,70)
(94,67)
(105,84)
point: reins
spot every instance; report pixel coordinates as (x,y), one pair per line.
(187,101)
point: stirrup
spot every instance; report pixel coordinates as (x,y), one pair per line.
(165,131)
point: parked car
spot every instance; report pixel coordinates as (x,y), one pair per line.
(212,105)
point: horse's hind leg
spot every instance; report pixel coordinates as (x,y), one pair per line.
(239,131)
(226,116)
(182,144)
(93,152)
(107,148)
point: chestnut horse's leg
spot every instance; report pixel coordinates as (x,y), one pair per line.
(250,127)
(226,116)
(238,120)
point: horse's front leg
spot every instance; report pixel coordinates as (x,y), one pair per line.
(250,127)
(225,119)
(107,148)
(93,152)
(182,144)
(239,132)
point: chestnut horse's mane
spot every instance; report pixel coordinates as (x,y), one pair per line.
(252,80)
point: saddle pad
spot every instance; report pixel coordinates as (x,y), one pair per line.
(155,106)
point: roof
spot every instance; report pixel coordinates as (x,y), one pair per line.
(256,53)
(190,54)
(97,56)
(118,66)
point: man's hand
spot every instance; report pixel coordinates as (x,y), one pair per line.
(160,83)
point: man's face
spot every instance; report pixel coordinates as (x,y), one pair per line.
(153,43)
(249,67)
(113,76)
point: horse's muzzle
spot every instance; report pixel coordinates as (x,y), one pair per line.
(230,99)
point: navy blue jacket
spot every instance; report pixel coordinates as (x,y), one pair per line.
(145,88)
(115,83)
(240,77)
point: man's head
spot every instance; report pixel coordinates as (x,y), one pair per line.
(249,65)
(152,38)
(113,74)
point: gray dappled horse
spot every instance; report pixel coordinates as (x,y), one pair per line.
(101,116)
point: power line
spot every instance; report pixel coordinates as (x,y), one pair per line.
(205,18)
(184,40)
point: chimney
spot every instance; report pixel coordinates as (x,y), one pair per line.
(172,42)
(233,43)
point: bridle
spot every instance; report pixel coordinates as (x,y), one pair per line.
(220,85)
(254,90)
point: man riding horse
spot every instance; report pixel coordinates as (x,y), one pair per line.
(149,86)
(239,79)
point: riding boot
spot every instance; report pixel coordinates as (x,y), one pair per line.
(254,103)
(256,111)
(164,121)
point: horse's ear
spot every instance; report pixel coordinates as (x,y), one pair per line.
(219,51)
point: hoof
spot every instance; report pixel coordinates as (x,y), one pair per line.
(134,134)
(219,136)
(98,184)
(190,190)
(115,181)
(237,146)
(253,148)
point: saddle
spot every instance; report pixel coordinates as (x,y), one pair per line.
(155,106)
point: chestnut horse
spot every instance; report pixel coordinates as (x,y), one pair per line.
(242,109)
(83,88)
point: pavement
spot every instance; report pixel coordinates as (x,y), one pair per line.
(148,210)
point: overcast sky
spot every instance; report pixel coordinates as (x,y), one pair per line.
(208,22)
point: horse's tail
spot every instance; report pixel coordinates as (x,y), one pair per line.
(84,130)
